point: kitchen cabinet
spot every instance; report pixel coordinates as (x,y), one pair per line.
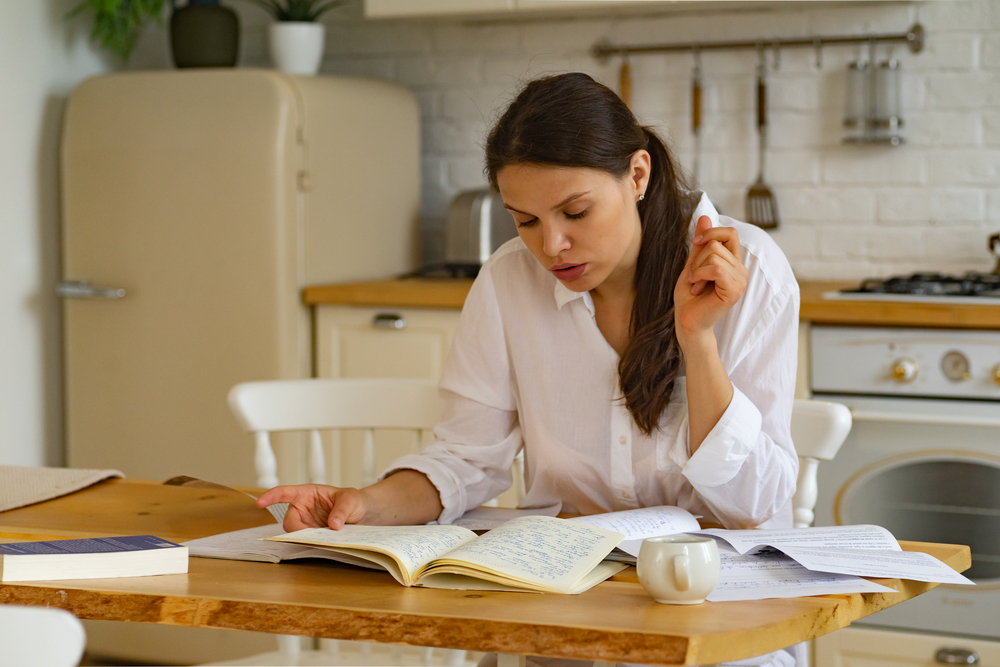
(354,341)
(863,647)
(506,9)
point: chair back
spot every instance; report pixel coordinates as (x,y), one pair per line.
(315,405)
(40,636)
(819,428)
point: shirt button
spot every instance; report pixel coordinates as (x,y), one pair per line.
(625,494)
(623,439)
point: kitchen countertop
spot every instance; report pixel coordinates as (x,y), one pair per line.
(450,293)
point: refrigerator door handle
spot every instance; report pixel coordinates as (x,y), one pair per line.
(81,289)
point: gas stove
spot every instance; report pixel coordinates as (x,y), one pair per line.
(970,288)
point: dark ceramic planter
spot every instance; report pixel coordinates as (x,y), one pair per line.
(204,34)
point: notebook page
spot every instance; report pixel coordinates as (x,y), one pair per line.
(644,522)
(411,546)
(554,553)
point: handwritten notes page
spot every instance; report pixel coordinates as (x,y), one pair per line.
(547,554)
(536,553)
(638,524)
(410,548)
(488,518)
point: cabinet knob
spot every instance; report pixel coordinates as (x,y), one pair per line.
(996,373)
(389,321)
(956,656)
(904,370)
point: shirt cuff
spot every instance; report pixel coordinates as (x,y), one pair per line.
(727,445)
(450,489)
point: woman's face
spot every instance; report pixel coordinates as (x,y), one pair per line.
(581,224)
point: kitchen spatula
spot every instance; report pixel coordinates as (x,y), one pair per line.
(762,208)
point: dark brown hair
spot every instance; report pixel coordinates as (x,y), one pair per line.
(570,120)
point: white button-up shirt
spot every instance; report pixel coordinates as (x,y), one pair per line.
(530,369)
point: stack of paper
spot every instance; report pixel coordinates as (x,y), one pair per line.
(787,563)
(759,564)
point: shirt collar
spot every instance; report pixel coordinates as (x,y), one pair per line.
(564,294)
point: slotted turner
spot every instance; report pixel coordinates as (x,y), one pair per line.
(761,206)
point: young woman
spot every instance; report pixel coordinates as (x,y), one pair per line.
(639,347)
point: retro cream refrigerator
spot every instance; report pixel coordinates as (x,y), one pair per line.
(196,205)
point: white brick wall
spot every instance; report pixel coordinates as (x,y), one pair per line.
(847,211)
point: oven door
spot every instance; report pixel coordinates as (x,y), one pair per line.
(929,471)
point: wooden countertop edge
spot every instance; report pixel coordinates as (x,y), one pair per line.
(393,293)
(480,634)
(450,293)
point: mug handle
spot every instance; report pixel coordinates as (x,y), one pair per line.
(682,573)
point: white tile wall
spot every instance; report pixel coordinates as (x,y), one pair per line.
(847,211)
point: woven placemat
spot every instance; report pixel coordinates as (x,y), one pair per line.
(21,485)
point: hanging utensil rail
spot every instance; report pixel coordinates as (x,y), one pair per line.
(914,37)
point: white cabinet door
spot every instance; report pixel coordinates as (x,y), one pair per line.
(383,342)
(862,647)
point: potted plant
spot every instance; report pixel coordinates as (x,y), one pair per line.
(296,37)
(117,23)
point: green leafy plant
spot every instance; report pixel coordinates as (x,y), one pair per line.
(296,10)
(117,23)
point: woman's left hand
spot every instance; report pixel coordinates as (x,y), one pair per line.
(713,279)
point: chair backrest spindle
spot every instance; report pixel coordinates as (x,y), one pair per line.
(264,462)
(317,462)
(819,429)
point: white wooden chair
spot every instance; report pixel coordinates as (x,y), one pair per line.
(40,636)
(819,429)
(317,405)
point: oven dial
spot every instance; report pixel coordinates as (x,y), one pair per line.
(904,369)
(955,366)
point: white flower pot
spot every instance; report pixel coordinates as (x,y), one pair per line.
(297,46)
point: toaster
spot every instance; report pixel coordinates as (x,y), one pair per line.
(476,225)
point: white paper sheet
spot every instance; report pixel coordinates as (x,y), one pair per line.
(763,576)
(883,564)
(830,537)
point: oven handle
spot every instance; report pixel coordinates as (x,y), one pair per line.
(909,418)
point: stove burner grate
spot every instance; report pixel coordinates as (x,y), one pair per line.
(935,284)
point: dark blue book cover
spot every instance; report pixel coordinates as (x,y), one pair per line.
(88,546)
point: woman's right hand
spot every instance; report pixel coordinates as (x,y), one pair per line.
(317,505)
(404,498)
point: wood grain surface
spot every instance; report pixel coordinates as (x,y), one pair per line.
(615,621)
(399,293)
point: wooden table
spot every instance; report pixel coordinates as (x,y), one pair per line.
(614,621)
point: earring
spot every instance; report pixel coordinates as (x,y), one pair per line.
(641,197)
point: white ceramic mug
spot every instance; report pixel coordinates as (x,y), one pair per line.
(679,569)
